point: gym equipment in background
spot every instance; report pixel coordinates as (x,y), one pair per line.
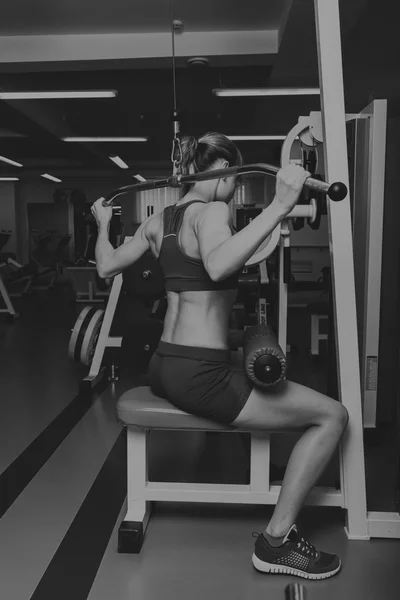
(366,148)
(87,285)
(82,274)
(46,258)
(4,262)
(84,335)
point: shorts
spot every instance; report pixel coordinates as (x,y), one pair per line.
(199,381)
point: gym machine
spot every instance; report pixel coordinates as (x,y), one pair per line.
(87,285)
(7,264)
(91,335)
(46,259)
(366,137)
(379,524)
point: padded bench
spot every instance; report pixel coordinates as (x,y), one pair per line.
(141,411)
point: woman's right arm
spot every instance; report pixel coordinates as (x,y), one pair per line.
(223,253)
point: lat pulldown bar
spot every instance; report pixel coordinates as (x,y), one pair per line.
(336,191)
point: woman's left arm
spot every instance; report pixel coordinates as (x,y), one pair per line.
(111,261)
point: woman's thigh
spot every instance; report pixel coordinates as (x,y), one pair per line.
(286,405)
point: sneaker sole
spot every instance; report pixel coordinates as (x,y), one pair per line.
(265,567)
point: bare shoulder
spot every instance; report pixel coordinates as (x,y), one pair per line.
(151,225)
(215,212)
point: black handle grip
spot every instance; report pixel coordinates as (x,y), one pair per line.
(336,191)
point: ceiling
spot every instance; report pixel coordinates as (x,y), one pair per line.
(97,16)
(126,45)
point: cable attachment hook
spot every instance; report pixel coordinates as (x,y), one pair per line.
(176,153)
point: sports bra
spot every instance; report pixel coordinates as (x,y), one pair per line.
(182,273)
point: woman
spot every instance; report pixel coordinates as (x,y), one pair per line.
(201,258)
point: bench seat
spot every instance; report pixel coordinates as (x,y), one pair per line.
(139,407)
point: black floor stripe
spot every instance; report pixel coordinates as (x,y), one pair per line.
(72,571)
(20,473)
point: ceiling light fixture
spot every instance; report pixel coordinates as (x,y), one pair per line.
(267,92)
(9,178)
(118,161)
(103,139)
(10,162)
(49,95)
(47,176)
(255,138)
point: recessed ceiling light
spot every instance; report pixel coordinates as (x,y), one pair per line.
(118,161)
(51,177)
(267,92)
(10,162)
(254,138)
(9,178)
(48,95)
(104,139)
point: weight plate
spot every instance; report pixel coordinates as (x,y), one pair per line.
(315,223)
(303,197)
(75,341)
(90,338)
(297,223)
(266,248)
(314,207)
(310,160)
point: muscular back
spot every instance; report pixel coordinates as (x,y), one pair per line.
(198,318)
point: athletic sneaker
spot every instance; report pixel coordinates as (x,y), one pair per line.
(295,556)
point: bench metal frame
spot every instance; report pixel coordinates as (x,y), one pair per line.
(141,493)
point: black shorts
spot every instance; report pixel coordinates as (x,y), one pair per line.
(199,381)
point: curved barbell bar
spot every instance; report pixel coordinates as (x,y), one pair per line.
(336,191)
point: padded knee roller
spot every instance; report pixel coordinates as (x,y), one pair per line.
(264,361)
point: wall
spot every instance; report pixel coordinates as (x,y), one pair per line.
(7,214)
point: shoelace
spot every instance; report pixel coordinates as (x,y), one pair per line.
(307,547)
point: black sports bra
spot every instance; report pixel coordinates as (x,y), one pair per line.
(181,272)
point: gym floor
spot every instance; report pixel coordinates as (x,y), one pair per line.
(63,486)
